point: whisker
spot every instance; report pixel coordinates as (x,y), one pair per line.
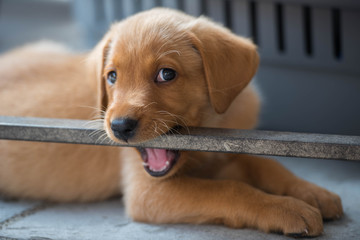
(149,104)
(167,53)
(164,135)
(98,124)
(163,45)
(165,125)
(96,133)
(104,137)
(176,117)
(172,130)
(98,113)
(156,128)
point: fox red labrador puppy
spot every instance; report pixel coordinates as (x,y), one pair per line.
(151,74)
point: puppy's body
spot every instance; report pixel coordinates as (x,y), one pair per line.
(44,80)
(209,90)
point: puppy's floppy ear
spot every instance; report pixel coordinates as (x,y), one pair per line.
(229,61)
(96,62)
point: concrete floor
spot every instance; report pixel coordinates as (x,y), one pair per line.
(106,220)
(24,21)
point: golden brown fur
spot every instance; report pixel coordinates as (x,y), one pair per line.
(211,89)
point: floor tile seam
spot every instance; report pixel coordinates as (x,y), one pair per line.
(23,214)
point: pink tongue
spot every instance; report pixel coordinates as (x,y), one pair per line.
(157,158)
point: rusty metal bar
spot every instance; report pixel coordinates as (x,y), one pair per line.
(308,145)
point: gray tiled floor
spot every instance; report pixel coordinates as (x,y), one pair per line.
(107,220)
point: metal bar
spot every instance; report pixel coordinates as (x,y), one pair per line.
(290,144)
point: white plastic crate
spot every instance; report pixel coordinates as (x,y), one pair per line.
(315,33)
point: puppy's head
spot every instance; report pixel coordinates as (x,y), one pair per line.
(162,69)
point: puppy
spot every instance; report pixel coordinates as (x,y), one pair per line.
(151,74)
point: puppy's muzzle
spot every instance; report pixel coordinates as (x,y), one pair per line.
(124,128)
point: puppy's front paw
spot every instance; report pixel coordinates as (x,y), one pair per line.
(291,217)
(327,202)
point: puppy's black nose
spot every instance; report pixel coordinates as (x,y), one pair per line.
(124,128)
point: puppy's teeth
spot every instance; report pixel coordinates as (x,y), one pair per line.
(145,164)
(155,170)
(167,163)
(163,168)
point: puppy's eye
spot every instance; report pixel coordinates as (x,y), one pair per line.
(165,75)
(111,77)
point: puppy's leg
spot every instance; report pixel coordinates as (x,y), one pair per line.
(270,176)
(181,199)
(235,204)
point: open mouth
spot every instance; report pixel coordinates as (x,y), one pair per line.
(158,162)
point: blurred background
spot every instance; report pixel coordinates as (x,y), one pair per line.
(309,76)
